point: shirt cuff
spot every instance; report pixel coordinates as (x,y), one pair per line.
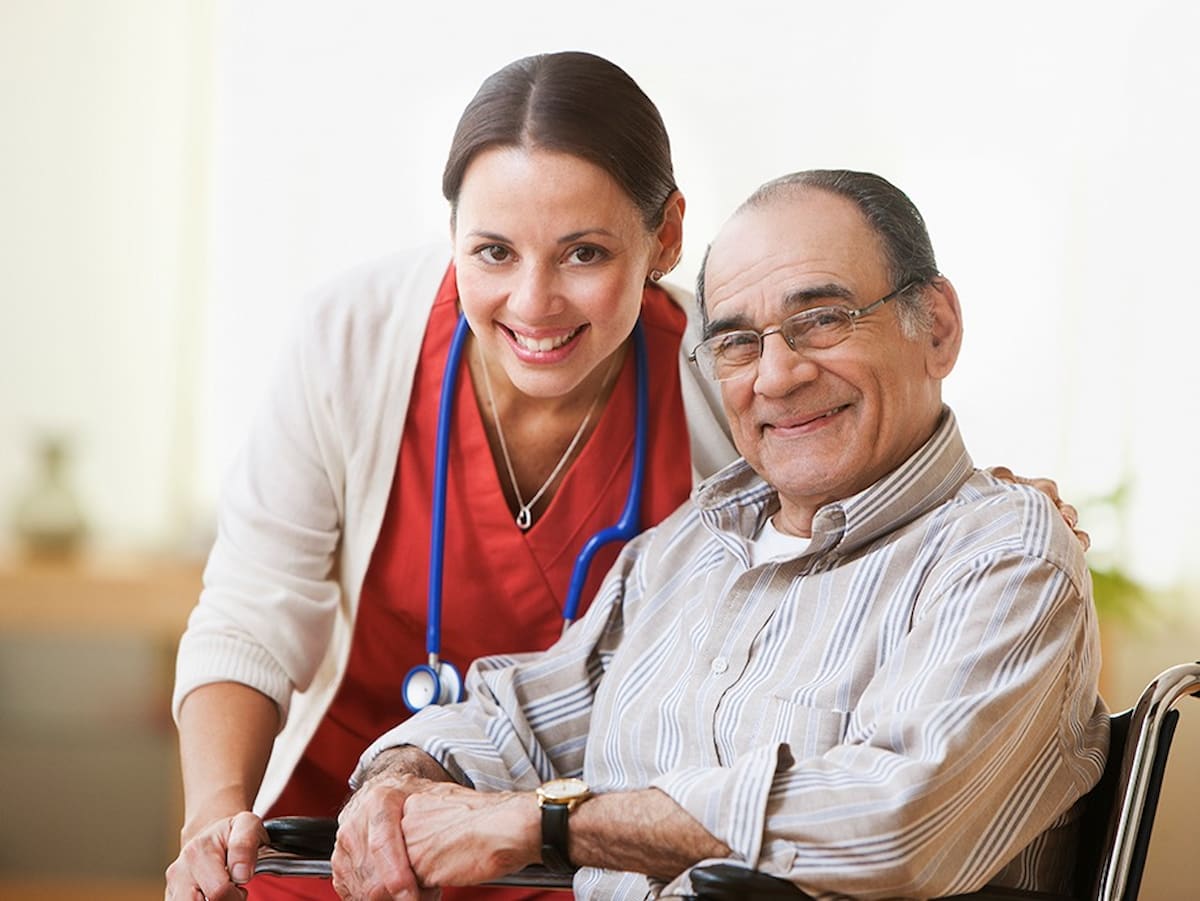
(425,731)
(730,802)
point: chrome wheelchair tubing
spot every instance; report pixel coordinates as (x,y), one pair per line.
(1145,728)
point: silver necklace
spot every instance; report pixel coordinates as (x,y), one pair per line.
(525,510)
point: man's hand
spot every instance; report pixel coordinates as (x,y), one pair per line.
(215,861)
(458,836)
(401,836)
(370,860)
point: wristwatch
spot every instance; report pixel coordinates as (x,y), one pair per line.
(557,798)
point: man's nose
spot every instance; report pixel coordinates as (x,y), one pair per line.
(536,294)
(780,369)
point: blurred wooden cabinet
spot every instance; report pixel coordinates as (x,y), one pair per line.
(88,763)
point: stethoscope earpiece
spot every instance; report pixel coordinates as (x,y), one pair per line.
(427,684)
(439,682)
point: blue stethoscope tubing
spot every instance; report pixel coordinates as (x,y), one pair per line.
(439,681)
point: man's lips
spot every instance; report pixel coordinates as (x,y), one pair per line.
(805,420)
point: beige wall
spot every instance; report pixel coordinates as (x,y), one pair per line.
(101,272)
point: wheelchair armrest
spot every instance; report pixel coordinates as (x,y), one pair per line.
(302,846)
(297,846)
(303,836)
(729,882)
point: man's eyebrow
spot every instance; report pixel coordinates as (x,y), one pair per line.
(806,297)
(726,324)
(799,297)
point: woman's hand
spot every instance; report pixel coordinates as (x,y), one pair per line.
(217,859)
(1049,488)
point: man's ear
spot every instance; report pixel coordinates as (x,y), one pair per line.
(670,233)
(945,337)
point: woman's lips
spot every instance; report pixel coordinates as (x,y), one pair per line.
(544,346)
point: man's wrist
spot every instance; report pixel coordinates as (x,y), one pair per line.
(403,760)
(557,798)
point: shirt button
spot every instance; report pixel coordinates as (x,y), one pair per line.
(719,665)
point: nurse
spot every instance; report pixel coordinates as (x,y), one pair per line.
(564,217)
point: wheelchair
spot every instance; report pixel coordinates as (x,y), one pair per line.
(1115,827)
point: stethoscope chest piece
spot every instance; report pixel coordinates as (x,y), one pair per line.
(437,682)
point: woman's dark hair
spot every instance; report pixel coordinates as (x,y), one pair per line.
(575,103)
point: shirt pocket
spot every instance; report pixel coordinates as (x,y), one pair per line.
(809,731)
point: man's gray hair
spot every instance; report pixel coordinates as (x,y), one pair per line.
(908,252)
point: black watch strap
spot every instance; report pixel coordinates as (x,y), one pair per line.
(554,837)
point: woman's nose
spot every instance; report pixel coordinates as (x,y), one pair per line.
(536,294)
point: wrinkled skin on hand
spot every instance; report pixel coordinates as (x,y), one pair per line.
(1049,488)
(401,837)
(370,860)
(458,836)
(215,861)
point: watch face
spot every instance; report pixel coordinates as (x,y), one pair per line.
(564,789)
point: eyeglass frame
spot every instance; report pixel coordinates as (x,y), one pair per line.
(854,314)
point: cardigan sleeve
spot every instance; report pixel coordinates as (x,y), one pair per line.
(710,443)
(269,599)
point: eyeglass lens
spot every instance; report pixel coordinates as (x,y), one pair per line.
(731,354)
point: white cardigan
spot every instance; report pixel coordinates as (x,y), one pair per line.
(303,504)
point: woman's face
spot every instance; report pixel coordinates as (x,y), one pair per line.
(552,257)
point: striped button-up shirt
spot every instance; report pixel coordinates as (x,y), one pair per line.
(907,709)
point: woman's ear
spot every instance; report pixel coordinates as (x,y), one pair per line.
(670,234)
(945,335)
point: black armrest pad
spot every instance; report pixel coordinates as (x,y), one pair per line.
(305,836)
(729,882)
(302,846)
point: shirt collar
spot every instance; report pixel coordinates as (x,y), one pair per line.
(736,501)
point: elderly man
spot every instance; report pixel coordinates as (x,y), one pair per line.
(853,660)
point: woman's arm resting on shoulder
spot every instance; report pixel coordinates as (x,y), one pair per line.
(225,736)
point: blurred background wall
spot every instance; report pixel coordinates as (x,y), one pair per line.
(176,174)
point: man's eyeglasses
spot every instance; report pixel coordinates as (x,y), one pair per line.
(732,355)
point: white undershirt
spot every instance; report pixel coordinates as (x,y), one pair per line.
(772,545)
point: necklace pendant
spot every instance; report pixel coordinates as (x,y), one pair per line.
(524,518)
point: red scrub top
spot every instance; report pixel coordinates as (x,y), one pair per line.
(504,589)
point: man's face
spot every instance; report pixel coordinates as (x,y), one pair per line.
(822,425)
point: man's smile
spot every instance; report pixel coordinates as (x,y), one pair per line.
(805,422)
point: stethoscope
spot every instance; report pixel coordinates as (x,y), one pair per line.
(439,681)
